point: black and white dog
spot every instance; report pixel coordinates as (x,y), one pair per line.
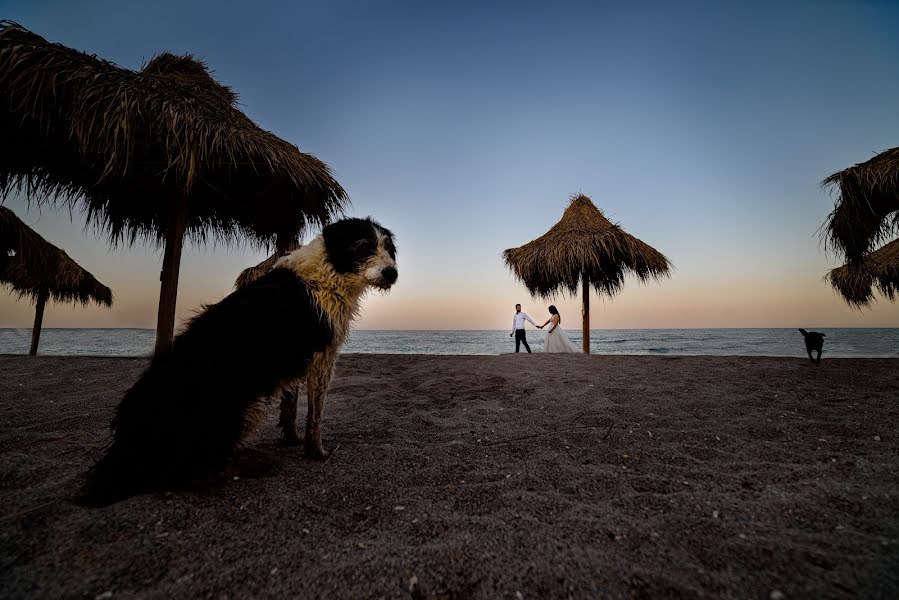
(194,405)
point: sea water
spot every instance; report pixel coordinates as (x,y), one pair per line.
(840,342)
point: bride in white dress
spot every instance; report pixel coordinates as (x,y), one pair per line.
(556,340)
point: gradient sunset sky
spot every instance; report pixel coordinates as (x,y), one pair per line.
(703,128)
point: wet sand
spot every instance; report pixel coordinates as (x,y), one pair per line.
(497,477)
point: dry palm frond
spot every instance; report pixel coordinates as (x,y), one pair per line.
(32,266)
(865,212)
(583,243)
(127,143)
(856,281)
(251,274)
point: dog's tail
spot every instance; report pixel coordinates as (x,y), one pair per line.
(162,439)
(112,479)
(803,332)
(128,467)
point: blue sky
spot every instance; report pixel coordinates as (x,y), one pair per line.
(704,128)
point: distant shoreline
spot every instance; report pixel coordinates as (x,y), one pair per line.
(724,357)
(498,329)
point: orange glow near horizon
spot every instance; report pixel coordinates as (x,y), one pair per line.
(656,306)
(440,289)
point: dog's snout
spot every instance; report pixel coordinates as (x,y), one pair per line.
(389,274)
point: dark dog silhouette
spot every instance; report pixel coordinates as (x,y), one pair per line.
(813,341)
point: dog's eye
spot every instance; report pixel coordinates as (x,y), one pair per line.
(361,246)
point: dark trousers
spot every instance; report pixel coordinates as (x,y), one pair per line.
(520,339)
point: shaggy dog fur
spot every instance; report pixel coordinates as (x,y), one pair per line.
(194,405)
(814,341)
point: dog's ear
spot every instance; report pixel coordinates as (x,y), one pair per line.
(823,335)
(389,242)
(803,332)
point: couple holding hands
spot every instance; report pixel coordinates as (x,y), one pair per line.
(556,340)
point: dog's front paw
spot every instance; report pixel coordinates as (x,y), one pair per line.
(315,451)
(291,438)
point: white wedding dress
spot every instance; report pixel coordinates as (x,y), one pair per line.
(557,341)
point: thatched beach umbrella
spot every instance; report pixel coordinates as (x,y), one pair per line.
(867,208)
(583,248)
(855,281)
(154,154)
(34,268)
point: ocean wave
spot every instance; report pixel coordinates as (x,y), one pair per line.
(659,350)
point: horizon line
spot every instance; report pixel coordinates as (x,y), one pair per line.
(572,331)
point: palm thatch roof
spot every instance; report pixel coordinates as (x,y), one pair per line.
(32,267)
(584,243)
(856,281)
(79,128)
(867,208)
(251,274)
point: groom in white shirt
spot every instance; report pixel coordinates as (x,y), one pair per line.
(518,328)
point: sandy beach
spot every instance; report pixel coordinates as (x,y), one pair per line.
(499,477)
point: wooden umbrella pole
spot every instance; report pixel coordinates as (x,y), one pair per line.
(38,320)
(171,265)
(586,293)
